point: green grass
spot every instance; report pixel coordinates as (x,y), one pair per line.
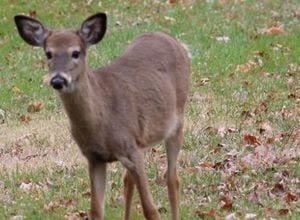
(263,101)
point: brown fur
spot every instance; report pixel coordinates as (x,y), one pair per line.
(120,109)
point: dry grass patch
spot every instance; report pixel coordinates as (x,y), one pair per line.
(45,141)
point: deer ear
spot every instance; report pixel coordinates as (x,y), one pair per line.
(93,28)
(31,30)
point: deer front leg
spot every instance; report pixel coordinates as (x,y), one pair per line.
(128,193)
(97,171)
(135,165)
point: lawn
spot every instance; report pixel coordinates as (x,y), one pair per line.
(241,154)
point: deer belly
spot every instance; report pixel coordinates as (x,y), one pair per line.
(156,134)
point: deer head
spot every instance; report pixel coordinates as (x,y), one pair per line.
(65,49)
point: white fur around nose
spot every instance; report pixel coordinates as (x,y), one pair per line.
(65,76)
(70,85)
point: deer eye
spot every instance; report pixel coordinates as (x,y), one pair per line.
(48,55)
(75,54)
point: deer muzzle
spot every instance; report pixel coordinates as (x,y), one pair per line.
(58,82)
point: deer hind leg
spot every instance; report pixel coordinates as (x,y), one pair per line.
(128,193)
(135,166)
(173,145)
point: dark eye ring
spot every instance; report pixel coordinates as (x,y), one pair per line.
(75,54)
(48,55)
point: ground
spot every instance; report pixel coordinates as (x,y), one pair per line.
(240,158)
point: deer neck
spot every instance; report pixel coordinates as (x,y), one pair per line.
(79,104)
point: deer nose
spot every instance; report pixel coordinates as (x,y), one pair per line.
(58,82)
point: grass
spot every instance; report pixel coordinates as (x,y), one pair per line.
(241,149)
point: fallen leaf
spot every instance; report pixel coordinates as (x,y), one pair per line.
(223,39)
(80,215)
(17,217)
(247,82)
(32,13)
(250,216)
(266,127)
(225,202)
(16,90)
(290,82)
(222,131)
(211,214)
(290,197)
(275,30)
(276,47)
(270,140)
(191,170)
(71,203)
(89,2)
(205,165)
(231,216)
(26,187)
(87,194)
(83,215)
(25,118)
(203,82)
(244,68)
(286,113)
(50,207)
(118,23)
(35,107)
(211,130)
(282,212)
(293,69)
(2,116)
(269,211)
(162,209)
(263,107)
(170,19)
(292,96)
(250,139)
(278,189)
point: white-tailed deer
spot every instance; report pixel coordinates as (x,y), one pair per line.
(119,110)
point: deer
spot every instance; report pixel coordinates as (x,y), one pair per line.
(118,111)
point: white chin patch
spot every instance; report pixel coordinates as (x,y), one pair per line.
(69,88)
(70,84)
